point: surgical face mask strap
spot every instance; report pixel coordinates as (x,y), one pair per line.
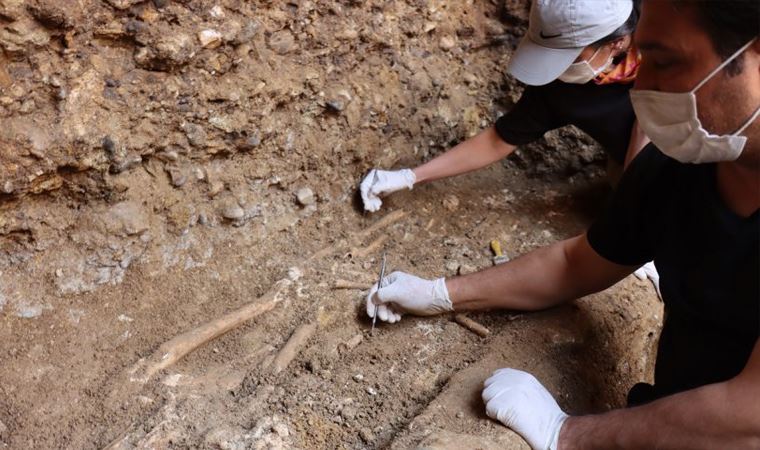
(588,61)
(722,65)
(749,121)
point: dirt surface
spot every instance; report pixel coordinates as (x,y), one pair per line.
(167,162)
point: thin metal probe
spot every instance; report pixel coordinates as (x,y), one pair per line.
(379,285)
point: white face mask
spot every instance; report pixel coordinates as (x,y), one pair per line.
(582,72)
(670,120)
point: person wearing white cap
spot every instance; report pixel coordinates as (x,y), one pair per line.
(691,202)
(579,64)
(560,31)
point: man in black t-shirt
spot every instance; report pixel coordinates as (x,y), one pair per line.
(691,202)
(579,64)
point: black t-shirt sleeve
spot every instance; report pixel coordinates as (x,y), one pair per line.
(626,232)
(530,118)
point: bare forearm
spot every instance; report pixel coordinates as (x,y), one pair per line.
(530,282)
(722,415)
(472,154)
(538,280)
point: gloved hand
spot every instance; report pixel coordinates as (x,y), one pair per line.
(403,293)
(384,182)
(519,401)
(648,270)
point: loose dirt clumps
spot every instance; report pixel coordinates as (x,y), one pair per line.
(166,162)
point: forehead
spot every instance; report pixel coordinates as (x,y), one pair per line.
(668,26)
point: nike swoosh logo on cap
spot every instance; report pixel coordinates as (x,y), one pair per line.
(544,36)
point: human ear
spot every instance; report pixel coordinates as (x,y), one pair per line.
(620,45)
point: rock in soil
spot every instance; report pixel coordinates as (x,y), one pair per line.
(305,196)
(231,210)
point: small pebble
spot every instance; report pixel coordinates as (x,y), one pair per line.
(452,266)
(358,378)
(247,33)
(471,79)
(282,42)
(305,196)
(233,211)
(367,435)
(196,135)
(178,178)
(217,12)
(335,105)
(253,211)
(371,391)
(250,142)
(354,341)
(214,188)
(464,269)
(447,43)
(135,26)
(29,312)
(294,273)
(348,413)
(460,414)
(210,38)
(170,155)
(27,106)
(451,203)
(109,145)
(348,34)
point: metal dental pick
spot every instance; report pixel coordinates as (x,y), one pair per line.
(379,285)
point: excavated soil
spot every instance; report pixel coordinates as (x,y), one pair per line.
(165,162)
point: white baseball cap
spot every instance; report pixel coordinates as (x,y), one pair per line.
(558,31)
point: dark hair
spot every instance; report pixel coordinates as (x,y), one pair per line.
(729,24)
(628,27)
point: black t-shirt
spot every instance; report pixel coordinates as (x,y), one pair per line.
(604,112)
(707,258)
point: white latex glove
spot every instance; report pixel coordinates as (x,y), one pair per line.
(516,399)
(384,182)
(648,270)
(403,293)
